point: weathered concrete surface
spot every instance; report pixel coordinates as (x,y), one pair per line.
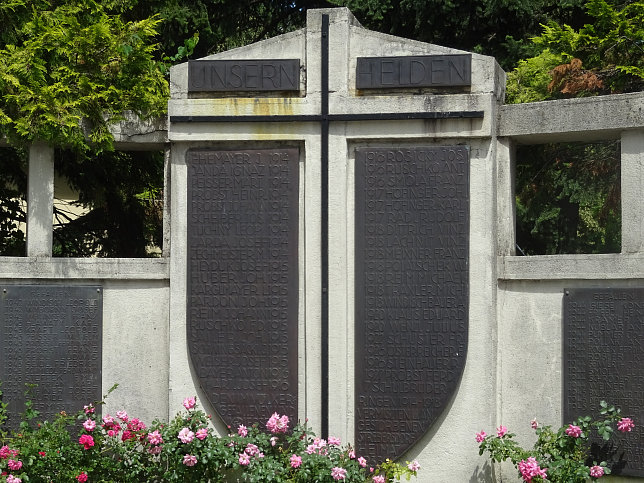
(587,119)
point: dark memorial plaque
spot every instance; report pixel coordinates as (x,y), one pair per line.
(244,75)
(50,336)
(603,359)
(414,71)
(412,298)
(243,280)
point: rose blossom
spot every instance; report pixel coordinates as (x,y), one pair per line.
(244,459)
(13,479)
(277,424)
(89,424)
(89,409)
(82,477)
(186,436)
(534,424)
(501,431)
(202,433)
(107,419)
(352,454)
(14,465)
(86,440)
(334,441)
(189,460)
(480,436)
(189,402)
(4,452)
(296,461)
(573,431)
(413,466)
(338,473)
(273,440)
(362,462)
(530,468)
(597,471)
(251,449)
(127,434)
(625,425)
(242,430)
(379,479)
(154,450)
(122,415)
(155,437)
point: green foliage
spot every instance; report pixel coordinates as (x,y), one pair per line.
(568,198)
(13,187)
(528,82)
(122,193)
(75,69)
(611,48)
(564,453)
(122,449)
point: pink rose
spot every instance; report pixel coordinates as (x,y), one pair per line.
(534,424)
(501,431)
(625,425)
(4,452)
(378,479)
(573,431)
(89,409)
(186,436)
(122,415)
(189,402)
(597,471)
(154,450)
(189,460)
(242,430)
(251,449)
(127,434)
(352,454)
(89,425)
(273,440)
(362,462)
(480,437)
(244,459)
(155,437)
(277,424)
(413,466)
(338,473)
(296,461)
(13,479)
(334,441)
(86,440)
(14,465)
(82,477)
(202,433)
(530,469)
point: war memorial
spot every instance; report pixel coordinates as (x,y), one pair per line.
(340,246)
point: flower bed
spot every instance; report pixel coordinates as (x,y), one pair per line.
(87,447)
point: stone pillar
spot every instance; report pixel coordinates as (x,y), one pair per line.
(40,200)
(632,188)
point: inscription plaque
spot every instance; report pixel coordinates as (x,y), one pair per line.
(414,71)
(244,75)
(51,336)
(243,280)
(411,262)
(603,358)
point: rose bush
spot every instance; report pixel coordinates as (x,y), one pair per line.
(89,447)
(562,456)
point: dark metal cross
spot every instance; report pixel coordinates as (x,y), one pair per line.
(324,118)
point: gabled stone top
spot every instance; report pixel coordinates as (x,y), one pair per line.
(395,66)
